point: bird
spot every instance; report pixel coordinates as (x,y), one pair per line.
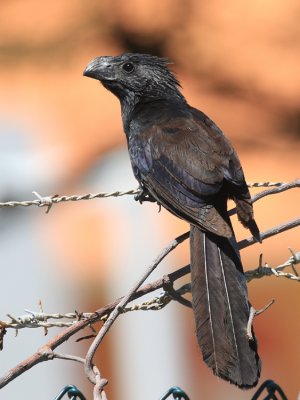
(184,162)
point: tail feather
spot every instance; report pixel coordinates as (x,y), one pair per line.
(245,214)
(221,309)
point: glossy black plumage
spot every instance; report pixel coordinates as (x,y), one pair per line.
(183,161)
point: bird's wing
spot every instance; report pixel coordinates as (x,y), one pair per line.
(183,163)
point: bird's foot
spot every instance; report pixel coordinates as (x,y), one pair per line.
(144,195)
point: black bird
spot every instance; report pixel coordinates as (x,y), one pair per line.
(183,161)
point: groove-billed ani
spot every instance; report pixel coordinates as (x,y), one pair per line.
(183,161)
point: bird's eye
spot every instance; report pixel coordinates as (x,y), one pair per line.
(128,67)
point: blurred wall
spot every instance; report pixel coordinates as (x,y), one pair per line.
(61,133)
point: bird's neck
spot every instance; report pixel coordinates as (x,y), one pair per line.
(133,104)
(128,105)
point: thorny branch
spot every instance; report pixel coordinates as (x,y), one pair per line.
(110,312)
(46,352)
(35,319)
(118,309)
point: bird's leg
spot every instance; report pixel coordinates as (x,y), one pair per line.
(144,195)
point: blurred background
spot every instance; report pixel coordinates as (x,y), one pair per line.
(61,133)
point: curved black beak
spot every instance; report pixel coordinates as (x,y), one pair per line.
(99,68)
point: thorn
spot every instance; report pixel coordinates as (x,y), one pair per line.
(120,309)
(78,315)
(2,333)
(292,252)
(45,319)
(45,201)
(14,319)
(257,312)
(295,259)
(253,313)
(169,289)
(85,337)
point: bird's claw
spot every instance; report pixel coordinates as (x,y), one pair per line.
(143,195)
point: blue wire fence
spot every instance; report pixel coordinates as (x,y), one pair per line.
(269,390)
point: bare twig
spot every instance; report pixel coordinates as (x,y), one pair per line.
(254,313)
(41,356)
(99,393)
(119,308)
(114,309)
(69,357)
(270,232)
(47,350)
(156,303)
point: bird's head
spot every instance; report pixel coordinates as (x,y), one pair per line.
(132,74)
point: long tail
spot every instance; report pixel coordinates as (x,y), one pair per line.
(221,309)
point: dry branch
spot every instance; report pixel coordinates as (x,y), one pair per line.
(40,320)
(118,309)
(46,353)
(110,312)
